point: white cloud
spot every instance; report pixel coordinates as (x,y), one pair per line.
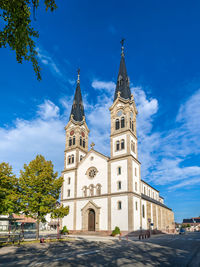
(48,110)
(103,85)
(47,60)
(43,135)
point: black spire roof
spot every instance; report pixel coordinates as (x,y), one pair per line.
(77,107)
(122,79)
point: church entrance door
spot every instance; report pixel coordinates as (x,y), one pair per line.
(91,220)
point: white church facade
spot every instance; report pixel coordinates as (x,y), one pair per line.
(103,192)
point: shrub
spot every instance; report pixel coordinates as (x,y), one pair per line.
(64,230)
(116,231)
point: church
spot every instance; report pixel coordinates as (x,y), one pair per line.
(104,192)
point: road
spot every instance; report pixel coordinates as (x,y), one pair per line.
(165,250)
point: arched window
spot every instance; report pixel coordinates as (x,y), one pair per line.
(143,211)
(98,189)
(70,141)
(133,146)
(122,122)
(130,123)
(81,141)
(136,205)
(135,186)
(132,126)
(117,145)
(117,124)
(85,191)
(69,160)
(69,180)
(119,205)
(91,190)
(84,143)
(119,170)
(81,157)
(72,158)
(119,185)
(74,140)
(122,144)
(135,171)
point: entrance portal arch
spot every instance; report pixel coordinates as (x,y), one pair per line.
(90,217)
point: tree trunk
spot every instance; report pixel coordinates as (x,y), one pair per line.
(37,229)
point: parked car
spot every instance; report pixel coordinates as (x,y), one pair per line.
(182,231)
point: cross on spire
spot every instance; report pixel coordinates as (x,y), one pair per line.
(78,71)
(122,47)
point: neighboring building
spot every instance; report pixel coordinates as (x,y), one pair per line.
(103,192)
(194,223)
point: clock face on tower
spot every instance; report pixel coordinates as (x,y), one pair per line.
(72,132)
(83,134)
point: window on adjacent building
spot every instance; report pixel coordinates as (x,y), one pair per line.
(122,144)
(143,211)
(68,193)
(133,146)
(119,169)
(72,158)
(81,141)
(122,122)
(117,145)
(119,185)
(69,180)
(117,124)
(136,205)
(119,205)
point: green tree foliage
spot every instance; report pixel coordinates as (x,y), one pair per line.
(18,33)
(60,212)
(116,231)
(40,188)
(9,194)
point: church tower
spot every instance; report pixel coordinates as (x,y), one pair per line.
(123,116)
(76,131)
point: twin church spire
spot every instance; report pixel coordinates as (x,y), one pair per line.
(122,89)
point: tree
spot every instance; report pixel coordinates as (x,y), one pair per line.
(9,193)
(59,213)
(18,33)
(40,188)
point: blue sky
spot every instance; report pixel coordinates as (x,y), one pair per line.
(162,58)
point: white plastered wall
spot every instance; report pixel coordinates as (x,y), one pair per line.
(144,220)
(136,179)
(115,177)
(103,219)
(68,220)
(119,138)
(136,213)
(70,186)
(101,165)
(119,217)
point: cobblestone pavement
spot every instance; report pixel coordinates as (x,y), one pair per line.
(165,250)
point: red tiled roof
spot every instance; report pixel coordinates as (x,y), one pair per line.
(23,218)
